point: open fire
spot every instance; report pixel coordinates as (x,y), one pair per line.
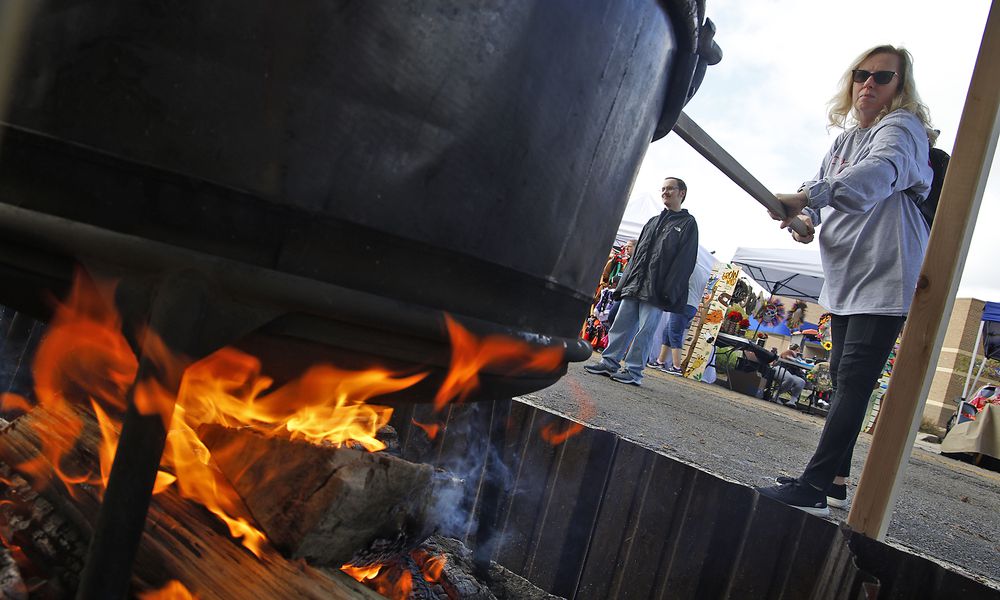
(86,360)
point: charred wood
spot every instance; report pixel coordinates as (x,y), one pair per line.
(11,585)
(443,569)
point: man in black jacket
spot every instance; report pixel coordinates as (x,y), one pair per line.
(655,280)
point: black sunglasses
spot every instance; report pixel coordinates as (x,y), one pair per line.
(881,77)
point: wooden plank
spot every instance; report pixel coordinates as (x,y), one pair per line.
(711,533)
(666,497)
(573,501)
(527,497)
(769,551)
(944,260)
(617,522)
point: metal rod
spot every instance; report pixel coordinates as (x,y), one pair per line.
(695,136)
(175,315)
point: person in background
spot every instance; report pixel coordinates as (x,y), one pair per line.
(678,322)
(617,261)
(872,241)
(792,352)
(655,280)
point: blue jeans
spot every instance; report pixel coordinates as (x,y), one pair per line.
(630,336)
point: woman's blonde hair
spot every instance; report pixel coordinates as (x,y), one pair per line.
(843,113)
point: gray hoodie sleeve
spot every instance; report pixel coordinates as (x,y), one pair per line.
(888,165)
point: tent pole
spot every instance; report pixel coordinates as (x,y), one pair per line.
(944,260)
(979,372)
(972,361)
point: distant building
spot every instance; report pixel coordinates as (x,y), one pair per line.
(949,376)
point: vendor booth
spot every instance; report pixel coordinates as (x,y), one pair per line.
(790,273)
(976,424)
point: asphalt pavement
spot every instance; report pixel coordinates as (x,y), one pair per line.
(946,509)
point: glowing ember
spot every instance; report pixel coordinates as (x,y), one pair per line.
(397,583)
(174,590)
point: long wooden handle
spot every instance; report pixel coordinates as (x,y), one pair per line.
(695,136)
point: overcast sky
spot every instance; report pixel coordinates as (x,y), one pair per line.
(766,104)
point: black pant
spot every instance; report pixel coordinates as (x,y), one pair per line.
(861,345)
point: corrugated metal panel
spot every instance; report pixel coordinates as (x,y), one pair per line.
(599,517)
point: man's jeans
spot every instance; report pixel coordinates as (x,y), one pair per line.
(630,336)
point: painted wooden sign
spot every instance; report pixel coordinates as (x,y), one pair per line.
(700,337)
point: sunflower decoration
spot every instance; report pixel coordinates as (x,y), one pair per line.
(771,313)
(824,331)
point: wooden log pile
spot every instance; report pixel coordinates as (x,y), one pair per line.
(183,541)
(329,506)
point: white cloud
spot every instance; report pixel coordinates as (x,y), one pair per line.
(765,103)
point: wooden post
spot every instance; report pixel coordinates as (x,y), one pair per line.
(935,295)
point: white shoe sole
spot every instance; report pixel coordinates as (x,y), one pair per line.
(819,512)
(836,502)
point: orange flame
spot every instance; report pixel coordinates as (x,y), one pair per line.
(397,583)
(174,590)
(470,355)
(431,430)
(84,359)
(550,432)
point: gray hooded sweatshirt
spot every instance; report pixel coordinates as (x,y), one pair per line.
(872,238)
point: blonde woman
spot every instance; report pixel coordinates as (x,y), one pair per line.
(872,240)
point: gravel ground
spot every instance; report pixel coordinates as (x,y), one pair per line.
(946,510)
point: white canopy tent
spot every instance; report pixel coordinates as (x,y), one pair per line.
(796,273)
(640,209)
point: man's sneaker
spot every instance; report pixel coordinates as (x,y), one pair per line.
(654,364)
(601,368)
(625,377)
(672,370)
(792,403)
(799,495)
(836,495)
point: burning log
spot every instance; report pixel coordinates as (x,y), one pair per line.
(182,540)
(330,505)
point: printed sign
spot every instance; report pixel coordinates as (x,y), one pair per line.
(699,341)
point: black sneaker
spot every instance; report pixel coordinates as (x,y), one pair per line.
(799,495)
(601,368)
(836,494)
(626,378)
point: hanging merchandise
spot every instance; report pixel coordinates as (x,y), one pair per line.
(740,292)
(751,303)
(771,313)
(798,315)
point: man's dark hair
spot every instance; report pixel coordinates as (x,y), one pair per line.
(681,186)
